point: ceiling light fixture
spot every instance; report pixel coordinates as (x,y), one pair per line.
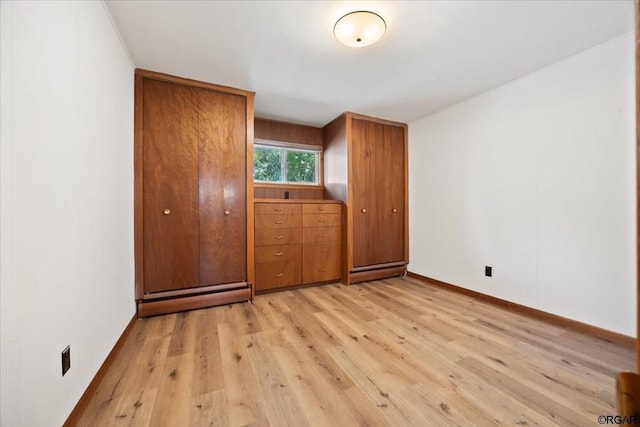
(359,29)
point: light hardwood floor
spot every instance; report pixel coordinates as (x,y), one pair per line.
(391,352)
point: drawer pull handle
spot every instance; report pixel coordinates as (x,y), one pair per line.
(321,269)
(279,274)
(278,237)
(166,211)
(277,209)
(321,235)
(278,221)
(321,209)
(322,251)
(322,220)
(278,253)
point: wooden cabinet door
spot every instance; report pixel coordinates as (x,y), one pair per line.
(222,198)
(170,196)
(365,135)
(390,167)
(378,189)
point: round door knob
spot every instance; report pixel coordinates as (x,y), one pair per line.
(227,212)
(364,210)
(166,211)
(394,210)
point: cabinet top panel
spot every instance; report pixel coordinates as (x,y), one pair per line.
(296,201)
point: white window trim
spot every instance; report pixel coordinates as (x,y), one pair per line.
(291,146)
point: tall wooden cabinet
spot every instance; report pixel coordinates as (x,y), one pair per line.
(365,166)
(193,198)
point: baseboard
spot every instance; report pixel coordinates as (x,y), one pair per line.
(82,404)
(533,312)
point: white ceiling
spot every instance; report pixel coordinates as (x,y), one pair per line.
(434,54)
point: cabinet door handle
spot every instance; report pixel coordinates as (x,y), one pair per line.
(227,211)
(278,253)
(279,274)
(394,210)
(364,210)
(278,221)
(166,211)
(322,269)
(278,237)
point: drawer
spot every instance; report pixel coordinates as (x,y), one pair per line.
(311,208)
(278,274)
(277,236)
(321,220)
(321,234)
(277,208)
(277,221)
(277,253)
(321,262)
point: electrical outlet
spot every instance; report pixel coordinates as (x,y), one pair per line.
(66,360)
(488,271)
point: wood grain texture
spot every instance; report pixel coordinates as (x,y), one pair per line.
(148,74)
(540,315)
(384,353)
(366,163)
(138,176)
(277,191)
(277,221)
(193,302)
(171,230)
(277,236)
(336,180)
(273,130)
(86,397)
(222,188)
(321,261)
(280,274)
(250,195)
(378,179)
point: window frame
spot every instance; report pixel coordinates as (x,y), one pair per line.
(286,147)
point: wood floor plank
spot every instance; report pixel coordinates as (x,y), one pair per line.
(384,353)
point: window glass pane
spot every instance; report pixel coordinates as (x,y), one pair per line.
(301,166)
(267,164)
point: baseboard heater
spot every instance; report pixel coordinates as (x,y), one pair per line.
(378,271)
(153,304)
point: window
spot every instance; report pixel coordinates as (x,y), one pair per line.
(284,164)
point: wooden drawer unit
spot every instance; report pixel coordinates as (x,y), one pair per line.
(321,237)
(321,234)
(277,253)
(277,208)
(272,275)
(297,243)
(321,262)
(321,220)
(312,208)
(277,236)
(277,221)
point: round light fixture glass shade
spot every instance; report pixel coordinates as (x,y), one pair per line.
(360,28)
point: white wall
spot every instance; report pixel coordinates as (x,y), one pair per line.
(67,203)
(537,179)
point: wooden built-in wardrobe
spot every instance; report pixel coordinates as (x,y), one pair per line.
(365,166)
(193,194)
